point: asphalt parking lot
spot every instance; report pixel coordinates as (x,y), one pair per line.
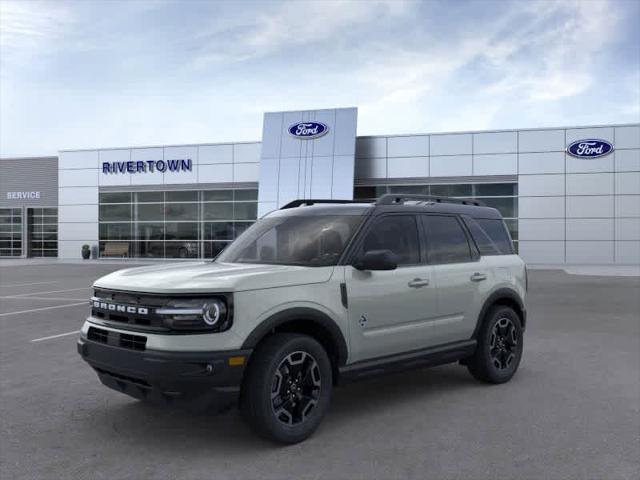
(572,411)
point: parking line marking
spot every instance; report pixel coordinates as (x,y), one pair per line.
(26,284)
(55,336)
(52,291)
(43,308)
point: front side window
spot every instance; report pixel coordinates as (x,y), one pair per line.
(313,241)
(398,233)
(446,240)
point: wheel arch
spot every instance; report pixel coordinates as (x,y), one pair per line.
(503,296)
(307,321)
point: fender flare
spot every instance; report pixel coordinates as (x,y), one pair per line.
(495,297)
(317,317)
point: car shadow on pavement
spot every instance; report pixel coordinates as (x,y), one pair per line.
(160,425)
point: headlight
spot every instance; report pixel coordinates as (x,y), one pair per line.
(207,314)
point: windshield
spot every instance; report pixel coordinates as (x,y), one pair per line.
(310,240)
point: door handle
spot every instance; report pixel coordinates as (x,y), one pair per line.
(478,277)
(419,282)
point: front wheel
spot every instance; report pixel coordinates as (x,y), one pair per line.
(287,390)
(499,349)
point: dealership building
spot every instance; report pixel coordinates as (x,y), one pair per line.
(569,195)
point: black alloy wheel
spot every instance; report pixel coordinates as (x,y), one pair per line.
(503,344)
(295,389)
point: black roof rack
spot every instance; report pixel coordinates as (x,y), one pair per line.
(399,199)
(300,202)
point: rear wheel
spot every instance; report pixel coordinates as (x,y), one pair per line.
(287,390)
(499,349)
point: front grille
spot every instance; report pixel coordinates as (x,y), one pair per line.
(103,299)
(126,378)
(124,340)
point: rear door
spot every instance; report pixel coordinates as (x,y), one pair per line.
(391,311)
(459,273)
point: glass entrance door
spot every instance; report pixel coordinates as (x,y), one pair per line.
(10,232)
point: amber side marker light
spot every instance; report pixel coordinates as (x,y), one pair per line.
(236,361)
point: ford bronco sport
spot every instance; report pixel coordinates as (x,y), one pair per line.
(315,294)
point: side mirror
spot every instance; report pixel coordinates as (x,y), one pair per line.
(377,260)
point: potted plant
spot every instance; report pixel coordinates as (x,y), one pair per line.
(86,252)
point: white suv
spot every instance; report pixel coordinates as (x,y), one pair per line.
(317,293)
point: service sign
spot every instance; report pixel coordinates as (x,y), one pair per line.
(308,130)
(589,148)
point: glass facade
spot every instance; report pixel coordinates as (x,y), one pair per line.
(174,224)
(42,228)
(503,196)
(10,232)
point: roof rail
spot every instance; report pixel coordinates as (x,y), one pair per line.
(300,202)
(399,198)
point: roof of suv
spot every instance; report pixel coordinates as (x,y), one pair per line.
(388,203)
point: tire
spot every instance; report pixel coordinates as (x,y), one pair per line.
(299,401)
(500,345)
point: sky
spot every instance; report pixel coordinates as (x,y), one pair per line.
(85,74)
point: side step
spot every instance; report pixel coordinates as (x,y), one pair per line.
(428,357)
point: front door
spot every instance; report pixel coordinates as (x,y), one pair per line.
(391,311)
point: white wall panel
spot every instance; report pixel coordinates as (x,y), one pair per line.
(590,206)
(268,179)
(321,177)
(627,160)
(589,252)
(541,141)
(342,167)
(601,133)
(627,228)
(541,229)
(77,195)
(500,164)
(452,144)
(586,165)
(541,207)
(345,126)
(146,178)
(246,172)
(403,167)
(589,229)
(246,153)
(71,249)
(627,253)
(371,147)
(215,154)
(78,231)
(323,146)
(628,183)
(541,252)
(215,173)
(80,159)
(77,178)
(496,142)
(540,185)
(590,184)
(290,146)
(289,176)
(627,205)
(410,146)
(371,168)
(628,137)
(545,162)
(77,213)
(451,166)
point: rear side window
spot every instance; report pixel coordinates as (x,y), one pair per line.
(446,240)
(491,236)
(398,233)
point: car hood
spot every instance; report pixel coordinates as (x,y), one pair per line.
(208,277)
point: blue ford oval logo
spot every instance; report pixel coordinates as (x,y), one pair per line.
(308,130)
(590,148)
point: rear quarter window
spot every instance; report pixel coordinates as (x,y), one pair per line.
(490,235)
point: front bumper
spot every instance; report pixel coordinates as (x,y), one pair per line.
(196,380)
